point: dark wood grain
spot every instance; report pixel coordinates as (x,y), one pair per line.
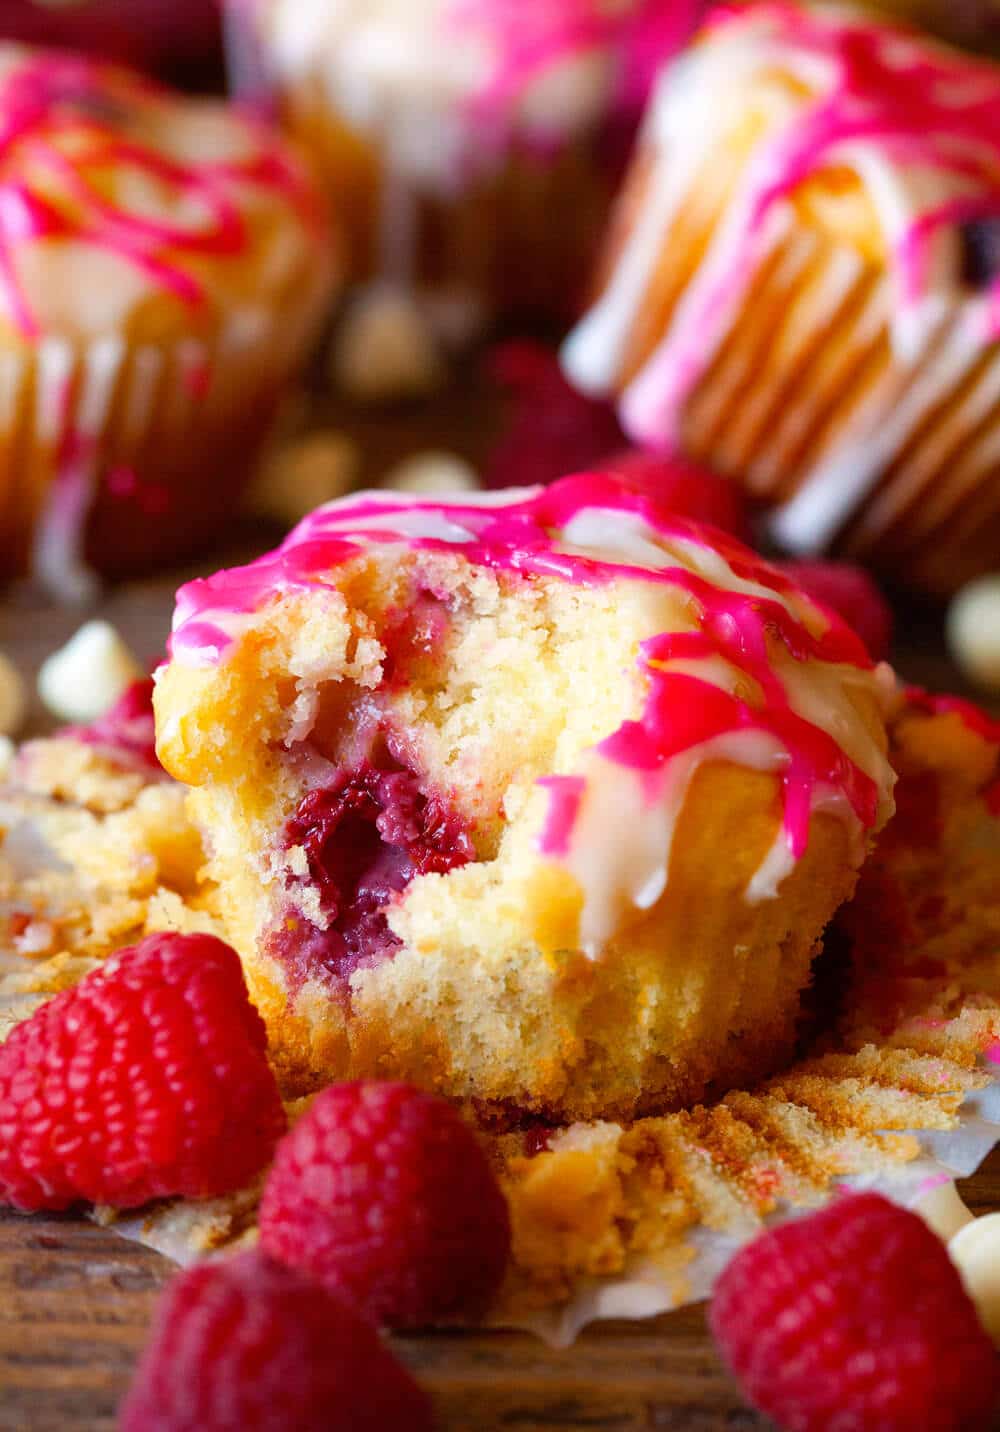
(75,1303)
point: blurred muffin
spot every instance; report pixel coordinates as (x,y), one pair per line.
(801,287)
(163,262)
(473,142)
(539,798)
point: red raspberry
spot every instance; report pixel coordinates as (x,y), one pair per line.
(126,733)
(384,1194)
(551,429)
(150,1078)
(855,1320)
(684,488)
(244,1345)
(852,594)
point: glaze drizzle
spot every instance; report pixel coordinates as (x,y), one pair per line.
(750,670)
(77,167)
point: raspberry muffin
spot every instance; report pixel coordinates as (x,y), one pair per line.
(540,798)
(452,131)
(162,264)
(802,287)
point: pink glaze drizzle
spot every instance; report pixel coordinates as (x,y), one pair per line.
(880,89)
(919,103)
(64,120)
(525,537)
(531,39)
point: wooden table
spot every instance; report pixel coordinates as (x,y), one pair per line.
(75,1300)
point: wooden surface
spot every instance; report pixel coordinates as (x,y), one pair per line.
(75,1300)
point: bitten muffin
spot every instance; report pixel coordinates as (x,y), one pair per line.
(540,800)
(163,262)
(474,143)
(801,287)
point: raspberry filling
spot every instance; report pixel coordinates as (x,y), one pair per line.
(366,835)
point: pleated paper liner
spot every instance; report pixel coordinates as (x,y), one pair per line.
(127,454)
(898,1091)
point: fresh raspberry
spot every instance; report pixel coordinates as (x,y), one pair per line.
(550,428)
(244,1345)
(855,1320)
(150,1078)
(852,594)
(685,489)
(385,1195)
(127,732)
(365,834)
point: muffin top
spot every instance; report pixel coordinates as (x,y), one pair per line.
(447,85)
(882,140)
(127,210)
(719,658)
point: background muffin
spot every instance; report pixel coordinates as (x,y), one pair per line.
(801,285)
(542,800)
(473,142)
(163,262)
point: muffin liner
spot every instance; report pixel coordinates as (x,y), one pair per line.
(866,429)
(135,451)
(900,1094)
(907,1162)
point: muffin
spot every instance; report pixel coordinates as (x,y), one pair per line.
(457,132)
(801,286)
(163,262)
(540,798)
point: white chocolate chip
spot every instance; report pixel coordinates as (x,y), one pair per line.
(13,697)
(300,476)
(973,630)
(385,348)
(975,1251)
(84,678)
(943,1210)
(570,96)
(433,472)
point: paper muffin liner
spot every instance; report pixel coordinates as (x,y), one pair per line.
(717,1178)
(122,454)
(899,1093)
(811,399)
